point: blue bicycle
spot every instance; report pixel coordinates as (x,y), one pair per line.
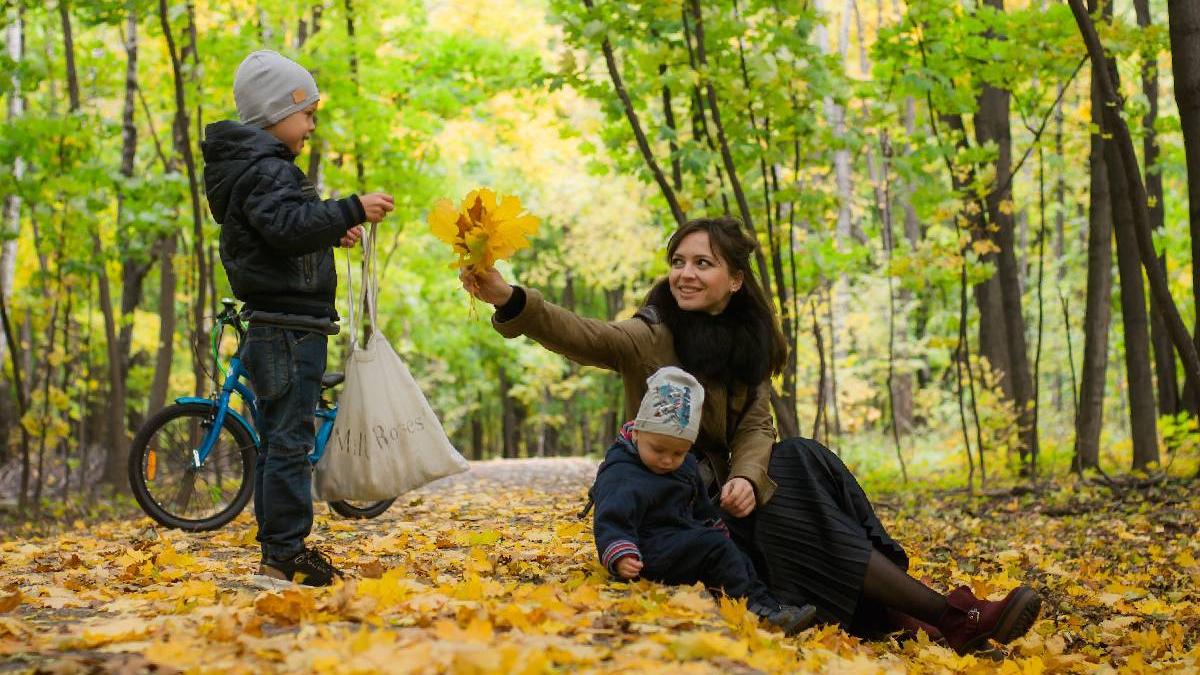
(191,465)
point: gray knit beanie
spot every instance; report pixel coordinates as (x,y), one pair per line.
(672,404)
(269,86)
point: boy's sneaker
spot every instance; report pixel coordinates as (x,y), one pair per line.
(788,618)
(310,567)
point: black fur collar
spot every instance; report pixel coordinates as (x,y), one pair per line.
(730,347)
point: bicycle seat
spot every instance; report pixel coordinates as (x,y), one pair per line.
(332,380)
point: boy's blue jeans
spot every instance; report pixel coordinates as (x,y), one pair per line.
(286,367)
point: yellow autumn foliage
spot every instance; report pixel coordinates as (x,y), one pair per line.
(484,227)
(491,573)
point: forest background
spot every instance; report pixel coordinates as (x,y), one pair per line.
(954,214)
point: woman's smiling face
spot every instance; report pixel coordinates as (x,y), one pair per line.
(700,280)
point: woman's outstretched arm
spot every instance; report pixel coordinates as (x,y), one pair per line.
(590,342)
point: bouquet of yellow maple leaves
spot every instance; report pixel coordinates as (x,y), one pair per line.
(484,228)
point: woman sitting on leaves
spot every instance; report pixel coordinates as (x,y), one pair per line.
(795,506)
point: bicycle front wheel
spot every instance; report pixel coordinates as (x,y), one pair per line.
(167,484)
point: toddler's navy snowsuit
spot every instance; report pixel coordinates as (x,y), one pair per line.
(668,522)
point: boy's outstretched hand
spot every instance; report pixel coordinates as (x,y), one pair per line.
(629,567)
(377,205)
(351,237)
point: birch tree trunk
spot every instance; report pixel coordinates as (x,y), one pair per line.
(10,225)
(15,41)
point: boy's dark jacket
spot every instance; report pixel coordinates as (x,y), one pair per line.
(277,235)
(633,503)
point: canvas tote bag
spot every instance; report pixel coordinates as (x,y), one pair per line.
(386,439)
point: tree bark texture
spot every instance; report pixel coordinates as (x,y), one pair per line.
(167,281)
(1164,353)
(992,124)
(181,134)
(114,464)
(1184,19)
(1113,106)
(1143,420)
(1098,308)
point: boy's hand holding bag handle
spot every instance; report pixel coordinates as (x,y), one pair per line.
(386,439)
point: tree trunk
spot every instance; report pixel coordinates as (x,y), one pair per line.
(835,114)
(1113,108)
(1142,419)
(1060,220)
(477,435)
(1099,290)
(18,385)
(1164,354)
(1184,19)
(114,464)
(183,145)
(358,158)
(10,226)
(992,125)
(992,342)
(64,15)
(166,324)
(11,223)
(509,424)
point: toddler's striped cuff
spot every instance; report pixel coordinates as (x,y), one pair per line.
(617,550)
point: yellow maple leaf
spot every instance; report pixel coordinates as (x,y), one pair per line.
(483,229)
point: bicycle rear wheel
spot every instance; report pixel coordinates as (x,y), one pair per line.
(174,492)
(361,510)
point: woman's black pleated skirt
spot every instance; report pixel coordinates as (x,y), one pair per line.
(815,535)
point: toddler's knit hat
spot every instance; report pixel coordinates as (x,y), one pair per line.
(269,86)
(672,404)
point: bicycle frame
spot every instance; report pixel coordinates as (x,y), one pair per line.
(233,383)
(221,409)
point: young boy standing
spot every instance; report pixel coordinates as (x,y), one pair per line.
(654,519)
(277,239)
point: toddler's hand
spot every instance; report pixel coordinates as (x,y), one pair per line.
(629,567)
(377,205)
(351,237)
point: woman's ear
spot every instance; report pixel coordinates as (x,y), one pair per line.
(738,280)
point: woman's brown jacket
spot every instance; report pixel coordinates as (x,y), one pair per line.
(736,432)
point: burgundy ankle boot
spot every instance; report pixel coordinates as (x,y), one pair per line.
(968,622)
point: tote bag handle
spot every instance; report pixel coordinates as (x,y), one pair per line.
(370,284)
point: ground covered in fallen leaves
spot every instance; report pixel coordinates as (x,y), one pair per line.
(491,572)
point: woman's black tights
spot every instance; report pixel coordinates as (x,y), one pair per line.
(891,586)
